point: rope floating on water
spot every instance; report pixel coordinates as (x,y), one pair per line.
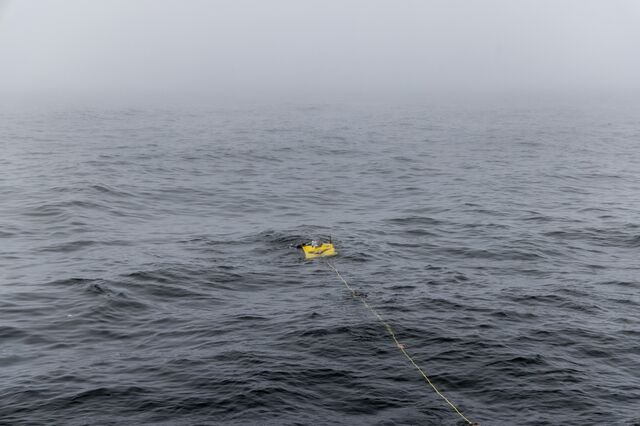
(357,295)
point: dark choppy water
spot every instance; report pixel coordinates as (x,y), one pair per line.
(147,275)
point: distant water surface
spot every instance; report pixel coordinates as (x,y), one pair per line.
(148,274)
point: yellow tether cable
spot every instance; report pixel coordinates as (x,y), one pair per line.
(400,346)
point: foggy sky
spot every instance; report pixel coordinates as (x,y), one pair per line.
(247,45)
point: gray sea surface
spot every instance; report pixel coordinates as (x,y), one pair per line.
(149,275)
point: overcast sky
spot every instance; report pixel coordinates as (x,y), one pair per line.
(367,45)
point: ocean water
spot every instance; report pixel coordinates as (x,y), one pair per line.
(148,270)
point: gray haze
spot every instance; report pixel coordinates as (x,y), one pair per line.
(198,46)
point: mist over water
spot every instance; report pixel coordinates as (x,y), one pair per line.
(148,270)
(124,48)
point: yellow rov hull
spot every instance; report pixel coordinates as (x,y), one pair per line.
(324,250)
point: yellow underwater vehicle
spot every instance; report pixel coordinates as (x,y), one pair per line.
(317,248)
